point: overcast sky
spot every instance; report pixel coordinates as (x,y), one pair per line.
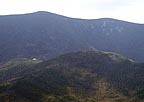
(128,10)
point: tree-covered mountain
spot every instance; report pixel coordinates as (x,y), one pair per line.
(84,76)
(46,35)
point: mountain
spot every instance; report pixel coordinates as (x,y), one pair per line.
(83,76)
(46,35)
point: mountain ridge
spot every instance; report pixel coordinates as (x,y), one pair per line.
(48,35)
(46,12)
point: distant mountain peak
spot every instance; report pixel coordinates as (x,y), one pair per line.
(45,34)
(41,12)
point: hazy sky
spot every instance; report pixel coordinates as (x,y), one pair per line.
(129,10)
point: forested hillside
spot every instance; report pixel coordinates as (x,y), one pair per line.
(84,76)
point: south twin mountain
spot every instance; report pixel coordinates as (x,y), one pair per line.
(47,57)
(47,35)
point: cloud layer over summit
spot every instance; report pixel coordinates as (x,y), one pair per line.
(128,10)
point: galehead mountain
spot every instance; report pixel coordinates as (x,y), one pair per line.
(84,76)
(46,35)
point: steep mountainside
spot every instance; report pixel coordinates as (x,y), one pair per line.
(47,35)
(84,76)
